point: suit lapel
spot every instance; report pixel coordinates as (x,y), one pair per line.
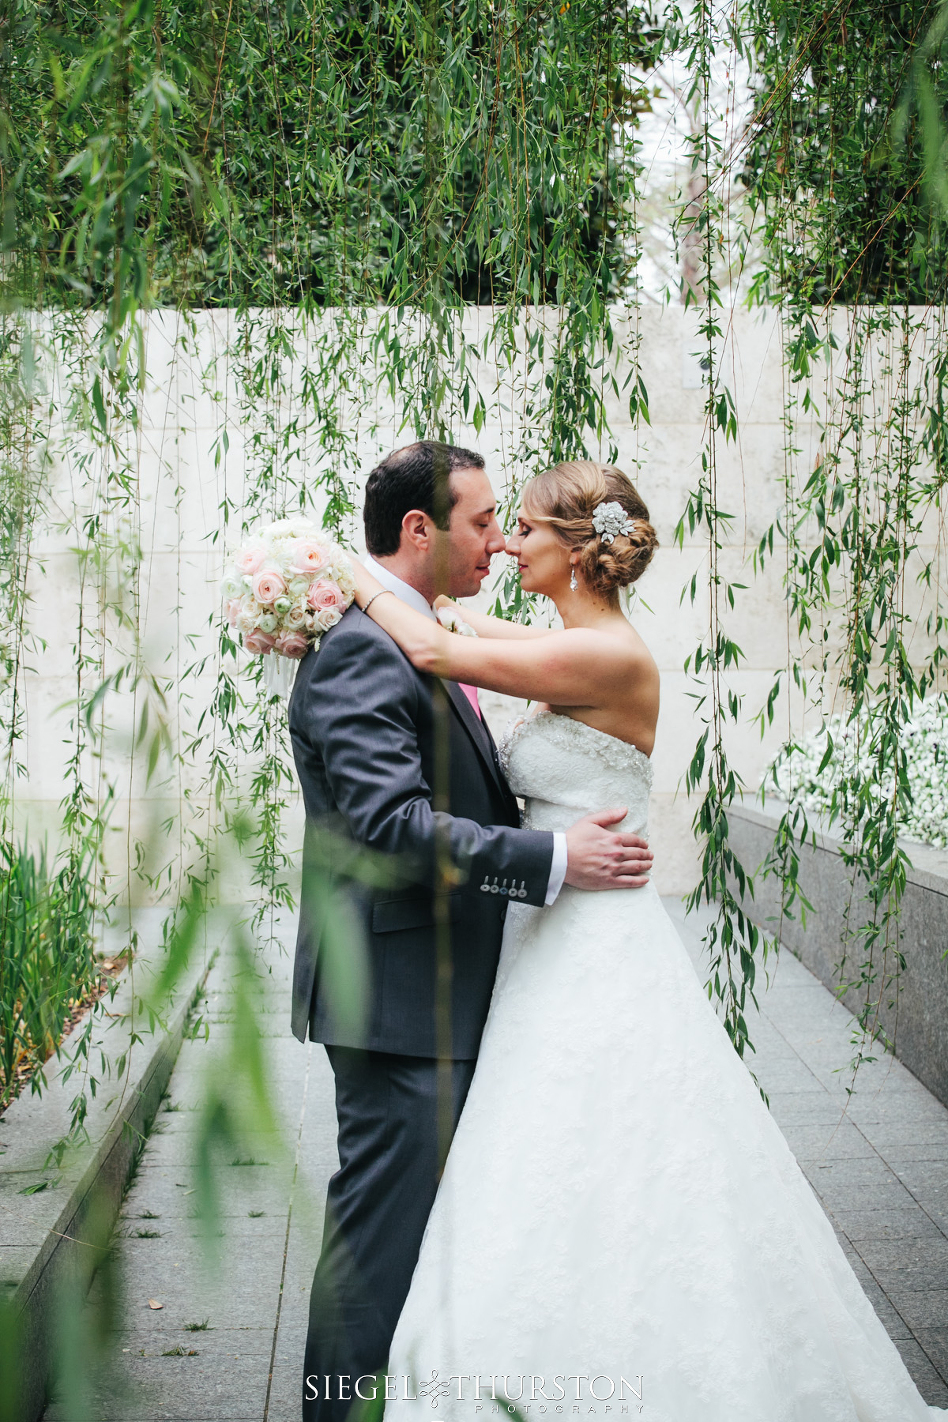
(478,732)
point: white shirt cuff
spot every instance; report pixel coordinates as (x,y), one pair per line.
(557,868)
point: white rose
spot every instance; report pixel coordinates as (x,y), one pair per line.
(341,572)
(249,615)
(295,618)
(327,617)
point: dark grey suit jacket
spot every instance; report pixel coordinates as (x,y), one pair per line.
(363,733)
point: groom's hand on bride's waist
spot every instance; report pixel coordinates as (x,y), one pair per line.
(601,858)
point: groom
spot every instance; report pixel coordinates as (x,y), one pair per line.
(362,722)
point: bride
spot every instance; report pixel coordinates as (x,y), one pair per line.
(621,1227)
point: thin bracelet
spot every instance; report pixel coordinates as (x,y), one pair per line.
(374,596)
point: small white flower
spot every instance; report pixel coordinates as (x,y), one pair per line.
(925,749)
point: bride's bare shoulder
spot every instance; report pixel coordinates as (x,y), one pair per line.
(621,648)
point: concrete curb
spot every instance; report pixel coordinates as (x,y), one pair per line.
(917,1021)
(49,1239)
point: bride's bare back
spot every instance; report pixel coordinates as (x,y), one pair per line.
(630,713)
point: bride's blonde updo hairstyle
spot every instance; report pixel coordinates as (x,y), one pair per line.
(566,496)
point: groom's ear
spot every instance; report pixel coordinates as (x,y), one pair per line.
(417,529)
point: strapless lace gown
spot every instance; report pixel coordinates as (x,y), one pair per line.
(618,1200)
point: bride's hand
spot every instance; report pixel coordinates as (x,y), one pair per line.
(442,601)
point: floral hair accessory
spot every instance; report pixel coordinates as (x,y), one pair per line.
(610,519)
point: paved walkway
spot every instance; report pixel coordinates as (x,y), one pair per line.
(229,1344)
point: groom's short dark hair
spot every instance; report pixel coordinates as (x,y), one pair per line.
(409,479)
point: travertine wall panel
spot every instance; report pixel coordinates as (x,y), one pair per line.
(194,451)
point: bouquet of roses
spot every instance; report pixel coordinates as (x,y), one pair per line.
(286,586)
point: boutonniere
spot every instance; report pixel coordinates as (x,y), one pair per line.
(452,621)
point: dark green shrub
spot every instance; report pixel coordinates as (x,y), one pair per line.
(47,962)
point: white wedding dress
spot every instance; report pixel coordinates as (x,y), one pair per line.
(618,1203)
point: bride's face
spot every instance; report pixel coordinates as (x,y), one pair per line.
(542,557)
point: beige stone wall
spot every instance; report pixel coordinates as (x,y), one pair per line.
(184,473)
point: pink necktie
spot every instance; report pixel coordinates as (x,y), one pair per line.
(471,693)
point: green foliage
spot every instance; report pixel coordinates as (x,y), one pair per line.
(732,940)
(47,962)
(199,154)
(842,191)
(817,772)
(351,182)
(856,548)
(844,161)
(383,165)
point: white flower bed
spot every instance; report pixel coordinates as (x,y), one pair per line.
(798,776)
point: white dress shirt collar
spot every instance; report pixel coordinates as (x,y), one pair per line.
(401,589)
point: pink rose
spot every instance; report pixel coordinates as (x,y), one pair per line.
(257,641)
(291,644)
(268,585)
(308,557)
(325,593)
(233,609)
(249,560)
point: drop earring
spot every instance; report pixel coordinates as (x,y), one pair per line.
(572,580)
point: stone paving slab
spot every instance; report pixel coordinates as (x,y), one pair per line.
(878,1160)
(52,1217)
(228,1375)
(185,1389)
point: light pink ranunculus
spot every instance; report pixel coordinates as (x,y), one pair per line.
(233,610)
(308,557)
(258,642)
(325,593)
(291,644)
(268,585)
(250,560)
